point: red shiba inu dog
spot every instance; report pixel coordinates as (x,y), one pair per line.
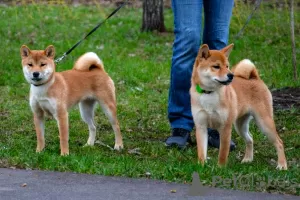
(220,98)
(54,93)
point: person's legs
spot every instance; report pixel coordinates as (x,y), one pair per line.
(188,26)
(217,15)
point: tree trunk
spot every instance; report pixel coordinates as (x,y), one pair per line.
(293,41)
(153,16)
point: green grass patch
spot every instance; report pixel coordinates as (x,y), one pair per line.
(139,63)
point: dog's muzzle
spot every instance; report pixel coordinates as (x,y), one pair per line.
(36,76)
(36,79)
(229,80)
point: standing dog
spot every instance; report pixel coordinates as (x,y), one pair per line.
(54,93)
(218,104)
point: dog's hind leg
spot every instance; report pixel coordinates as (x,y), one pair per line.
(266,123)
(110,110)
(242,128)
(107,101)
(87,114)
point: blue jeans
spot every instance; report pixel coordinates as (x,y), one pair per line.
(188,29)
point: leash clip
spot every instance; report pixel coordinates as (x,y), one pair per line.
(60,58)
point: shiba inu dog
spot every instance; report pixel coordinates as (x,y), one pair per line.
(54,93)
(220,98)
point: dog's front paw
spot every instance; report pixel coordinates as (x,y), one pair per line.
(64,153)
(222,164)
(201,162)
(281,166)
(247,160)
(39,148)
(118,147)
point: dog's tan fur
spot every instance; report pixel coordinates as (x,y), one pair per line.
(246,97)
(54,93)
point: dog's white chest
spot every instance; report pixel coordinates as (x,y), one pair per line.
(210,107)
(39,99)
(209,102)
(48,105)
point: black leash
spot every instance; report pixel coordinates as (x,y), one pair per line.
(92,31)
(257,4)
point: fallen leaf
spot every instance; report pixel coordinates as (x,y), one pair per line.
(102,144)
(135,151)
(288,149)
(148,174)
(139,89)
(131,55)
(101,47)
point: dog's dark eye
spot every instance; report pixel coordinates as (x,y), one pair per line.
(216,66)
(227,66)
(43,64)
(30,65)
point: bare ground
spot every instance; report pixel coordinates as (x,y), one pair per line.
(286,98)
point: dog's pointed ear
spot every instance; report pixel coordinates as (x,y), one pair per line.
(25,51)
(50,52)
(227,50)
(204,51)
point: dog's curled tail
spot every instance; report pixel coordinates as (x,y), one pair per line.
(88,61)
(246,69)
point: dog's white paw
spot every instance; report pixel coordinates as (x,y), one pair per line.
(39,150)
(64,153)
(40,147)
(88,145)
(247,160)
(118,147)
(281,166)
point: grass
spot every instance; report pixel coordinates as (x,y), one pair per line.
(139,63)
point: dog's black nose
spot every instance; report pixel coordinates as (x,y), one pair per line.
(36,74)
(230,76)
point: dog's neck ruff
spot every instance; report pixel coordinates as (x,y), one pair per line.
(201,91)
